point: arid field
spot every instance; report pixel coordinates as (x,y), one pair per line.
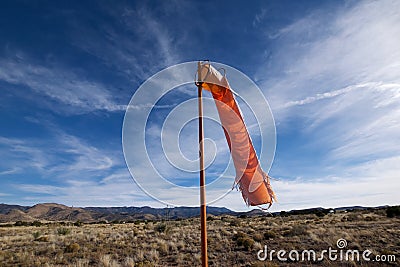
(232,241)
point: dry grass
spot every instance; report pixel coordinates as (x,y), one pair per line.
(232,241)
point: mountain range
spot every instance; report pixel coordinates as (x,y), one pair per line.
(59,212)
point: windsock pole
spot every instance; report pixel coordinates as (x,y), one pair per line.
(203,211)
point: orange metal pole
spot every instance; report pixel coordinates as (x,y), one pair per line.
(203,211)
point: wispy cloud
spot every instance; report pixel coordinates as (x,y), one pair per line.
(259,17)
(86,193)
(62,155)
(135,29)
(86,157)
(10,171)
(351,127)
(19,152)
(358,45)
(69,170)
(372,184)
(358,48)
(118,189)
(59,85)
(326,95)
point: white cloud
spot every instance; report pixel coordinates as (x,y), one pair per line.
(370,184)
(124,192)
(337,78)
(61,155)
(259,17)
(87,157)
(19,152)
(358,55)
(10,171)
(41,189)
(359,45)
(77,94)
(326,95)
(140,46)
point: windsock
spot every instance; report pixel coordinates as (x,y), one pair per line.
(253,182)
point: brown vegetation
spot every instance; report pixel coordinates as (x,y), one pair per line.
(232,241)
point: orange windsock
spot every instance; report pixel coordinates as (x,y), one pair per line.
(252,180)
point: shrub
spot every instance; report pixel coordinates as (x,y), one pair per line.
(393,211)
(107,261)
(243,240)
(161,227)
(72,248)
(129,262)
(21,223)
(234,222)
(63,231)
(238,235)
(246,242)
(369,219)
(297,230)
(43,239)
(258,237)
(153,256)
(320,213)
(352,217)
(269,234)
(36,235)
(36,223)
(163,248)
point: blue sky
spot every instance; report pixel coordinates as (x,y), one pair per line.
(329,70)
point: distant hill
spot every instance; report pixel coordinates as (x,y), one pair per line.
(4,208)
(46,211)
(159,213)
(59,212)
